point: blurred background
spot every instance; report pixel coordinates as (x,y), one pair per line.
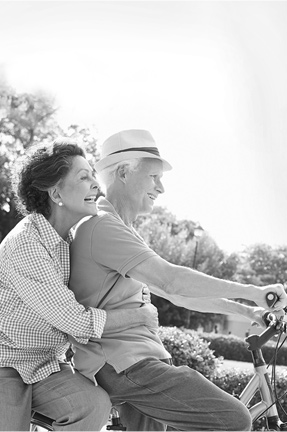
(207,78)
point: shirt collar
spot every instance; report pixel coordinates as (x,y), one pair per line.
(106,206)
(48,234)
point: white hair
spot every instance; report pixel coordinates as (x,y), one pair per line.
(107,176)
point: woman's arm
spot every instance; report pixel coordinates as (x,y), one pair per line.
(121,319)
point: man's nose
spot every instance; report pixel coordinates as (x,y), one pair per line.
(159,187)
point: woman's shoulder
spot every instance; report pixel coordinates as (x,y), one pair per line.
(23,236)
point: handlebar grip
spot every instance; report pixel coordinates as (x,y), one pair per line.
(268,318)
(271,299)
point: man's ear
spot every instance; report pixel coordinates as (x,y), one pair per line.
(54,195)
(122,173)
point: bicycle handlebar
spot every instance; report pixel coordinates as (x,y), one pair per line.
(274,325)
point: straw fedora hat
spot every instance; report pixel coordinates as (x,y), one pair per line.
(129,144)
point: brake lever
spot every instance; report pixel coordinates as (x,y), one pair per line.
(271,299)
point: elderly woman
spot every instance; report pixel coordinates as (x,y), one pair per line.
(55,188)
(111,264)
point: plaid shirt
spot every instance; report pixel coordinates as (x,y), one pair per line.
(37,309)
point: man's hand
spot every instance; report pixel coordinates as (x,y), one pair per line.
(261,293)
(258,314)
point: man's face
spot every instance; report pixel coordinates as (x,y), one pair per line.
(144,185)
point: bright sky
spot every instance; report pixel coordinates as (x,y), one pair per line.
(207,78)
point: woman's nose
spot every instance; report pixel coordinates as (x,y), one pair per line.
(95,184)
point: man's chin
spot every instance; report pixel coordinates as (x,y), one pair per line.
(146,211)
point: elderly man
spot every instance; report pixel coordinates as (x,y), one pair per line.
(111,265)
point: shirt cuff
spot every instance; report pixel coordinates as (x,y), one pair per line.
(99,322)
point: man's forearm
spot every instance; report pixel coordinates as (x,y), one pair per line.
(222,306)
(207,305)
(191,283)
(230,307)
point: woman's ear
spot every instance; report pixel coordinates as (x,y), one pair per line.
(54,195)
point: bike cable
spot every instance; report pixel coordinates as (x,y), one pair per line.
(278,397)
(273,361)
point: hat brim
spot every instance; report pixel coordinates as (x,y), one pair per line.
(118,157)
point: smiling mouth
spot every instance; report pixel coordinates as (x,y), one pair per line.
(91,199)
(152,197)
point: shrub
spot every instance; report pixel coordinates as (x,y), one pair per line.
(189,349)
(228,346)
(234,348)
(234,381)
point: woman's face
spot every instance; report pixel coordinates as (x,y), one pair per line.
(79,190)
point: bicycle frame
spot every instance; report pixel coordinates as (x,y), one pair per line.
(261,381)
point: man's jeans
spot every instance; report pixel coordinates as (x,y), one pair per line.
(158,394)
(71,399)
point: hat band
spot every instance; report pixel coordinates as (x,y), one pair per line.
(152,150)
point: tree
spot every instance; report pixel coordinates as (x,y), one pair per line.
(26,119)
(261,264)
(7,207)
(85,135)
(173,240)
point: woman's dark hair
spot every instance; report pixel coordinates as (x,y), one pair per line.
(42,167)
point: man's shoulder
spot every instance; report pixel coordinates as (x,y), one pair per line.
(101,217)
(102,222)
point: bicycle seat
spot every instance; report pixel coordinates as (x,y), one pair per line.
(42,421)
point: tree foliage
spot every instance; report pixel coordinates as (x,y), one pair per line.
(262,264)
(24,119)
(27,119)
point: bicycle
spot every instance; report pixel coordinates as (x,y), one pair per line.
(265,409)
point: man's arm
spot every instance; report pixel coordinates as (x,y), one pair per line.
(219,306)
(181,281)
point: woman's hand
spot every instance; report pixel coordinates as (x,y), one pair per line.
(150,316)
(122,319)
